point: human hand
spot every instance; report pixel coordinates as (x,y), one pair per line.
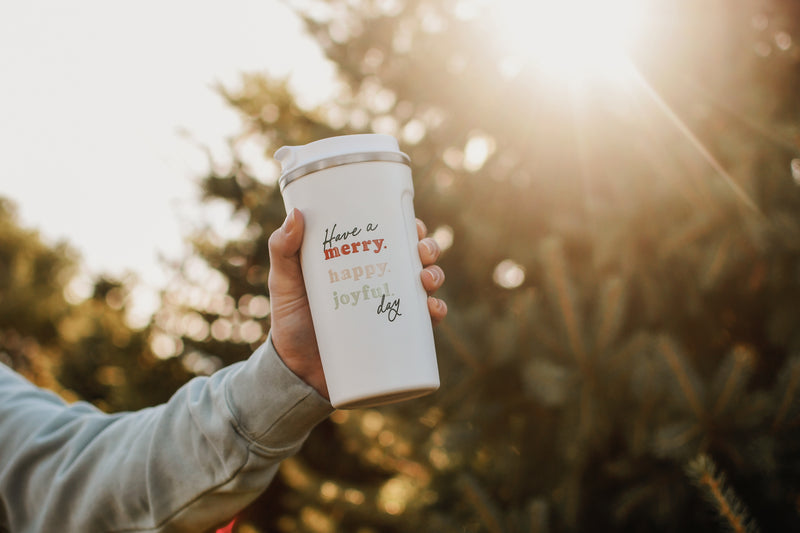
(292,330)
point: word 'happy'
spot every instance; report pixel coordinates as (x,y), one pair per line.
(356,273)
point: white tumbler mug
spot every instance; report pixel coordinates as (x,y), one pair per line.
(362,268)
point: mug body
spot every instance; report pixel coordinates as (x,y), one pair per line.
(361,268)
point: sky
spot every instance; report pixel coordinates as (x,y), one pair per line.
(106,109)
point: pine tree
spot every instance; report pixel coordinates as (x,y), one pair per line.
(84,350)
(32,276)
(622,277)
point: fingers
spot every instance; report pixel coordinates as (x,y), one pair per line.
(429,251)
(432,275)
(437,308)
(284,258)
(287,239)
(432,278)
(422,230)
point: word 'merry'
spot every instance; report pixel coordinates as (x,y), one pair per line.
(331,236)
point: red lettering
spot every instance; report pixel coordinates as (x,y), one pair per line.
(345,249)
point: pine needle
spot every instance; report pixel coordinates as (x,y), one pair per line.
(611,312)
(673,440)
(460,347)
(739,365)
(477,496)
(682,372)
(718,259)
(792,378)
(688,234)
(563,294)
(704,473)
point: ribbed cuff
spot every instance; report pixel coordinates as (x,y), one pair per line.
(272,406)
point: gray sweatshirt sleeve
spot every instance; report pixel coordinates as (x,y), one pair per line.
(187,465)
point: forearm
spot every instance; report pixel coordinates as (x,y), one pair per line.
(182,466)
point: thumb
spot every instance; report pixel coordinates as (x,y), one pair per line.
(284,254)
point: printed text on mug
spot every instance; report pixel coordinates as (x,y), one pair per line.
(339,243)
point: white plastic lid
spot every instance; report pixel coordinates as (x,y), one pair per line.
(297,161)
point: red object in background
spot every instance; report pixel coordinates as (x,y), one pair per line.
(228,528)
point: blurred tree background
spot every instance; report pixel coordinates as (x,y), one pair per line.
(81,348)
(622,251)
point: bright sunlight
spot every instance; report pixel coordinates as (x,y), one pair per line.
(570,40)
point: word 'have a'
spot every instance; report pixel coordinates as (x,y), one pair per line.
(331,236)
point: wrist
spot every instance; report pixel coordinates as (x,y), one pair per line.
(303,363)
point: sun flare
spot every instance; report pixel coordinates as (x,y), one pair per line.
(570,39)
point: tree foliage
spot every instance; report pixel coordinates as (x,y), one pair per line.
(623,342)
(82,348)
(622,275)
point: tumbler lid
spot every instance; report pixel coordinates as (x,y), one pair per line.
(298,161)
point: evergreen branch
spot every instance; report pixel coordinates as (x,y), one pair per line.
(588,418)
(703,472)
(548,382)
(640,430)
(540,328)
(692,232)
(543,336)
(633,348)
(740,362)
(673,439)
(716,262)
(556,270)
(460,347)
(612,307)
(679,368)
(487,511)
(789,393)
(455,394)
(538,511)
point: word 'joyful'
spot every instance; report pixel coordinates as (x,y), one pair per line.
(354,297)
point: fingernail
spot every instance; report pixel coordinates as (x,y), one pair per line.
(428,246)
(434,274)
(437,303)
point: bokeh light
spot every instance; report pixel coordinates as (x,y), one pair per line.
(509,274)
(477,150)
(443,235)
(165,345)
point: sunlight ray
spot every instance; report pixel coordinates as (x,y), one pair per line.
(752,123)
(694,140)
